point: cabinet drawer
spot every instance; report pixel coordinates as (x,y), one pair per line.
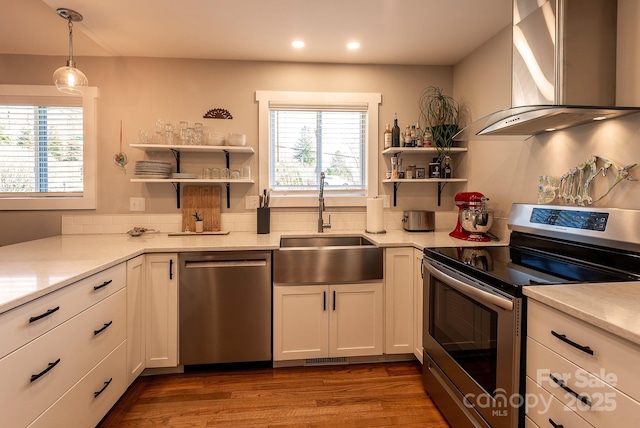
(80,407)
(16,329)
(609,407)
(618,356)
(542,406)
(76,349)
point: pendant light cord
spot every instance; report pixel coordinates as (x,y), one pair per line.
(70,62)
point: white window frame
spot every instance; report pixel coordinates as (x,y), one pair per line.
(89,156)
(318,99)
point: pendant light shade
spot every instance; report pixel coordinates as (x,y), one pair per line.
(69,79)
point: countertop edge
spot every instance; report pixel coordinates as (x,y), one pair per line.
(130,247)
(583,301)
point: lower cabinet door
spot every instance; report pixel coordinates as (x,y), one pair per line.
(86,403)
(300,322)
(355,320)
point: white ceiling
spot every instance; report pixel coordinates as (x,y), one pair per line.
(431,32)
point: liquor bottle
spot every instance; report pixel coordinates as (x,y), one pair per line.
(407,136)
(427,138)
(447,171)
(387,137)
(395,133)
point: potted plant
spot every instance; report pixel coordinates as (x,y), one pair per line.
(199,222)
(441,114)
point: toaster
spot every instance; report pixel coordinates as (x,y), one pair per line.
(419,221)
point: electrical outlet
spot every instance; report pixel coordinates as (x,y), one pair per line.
(251,202)
(385,201)
(136,204)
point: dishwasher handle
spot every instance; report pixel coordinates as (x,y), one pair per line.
(223,264)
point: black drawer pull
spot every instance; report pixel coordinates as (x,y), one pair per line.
(104,284)
(563,337)
(564,386)
(555,425)
(43,372)
(100,330)
(46,314)
(95,394)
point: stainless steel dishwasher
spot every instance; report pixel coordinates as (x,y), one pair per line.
(225,307)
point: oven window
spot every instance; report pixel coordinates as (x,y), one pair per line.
(467,330)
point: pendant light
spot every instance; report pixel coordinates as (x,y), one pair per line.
(69,79)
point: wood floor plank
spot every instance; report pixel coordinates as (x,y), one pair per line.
(354,396)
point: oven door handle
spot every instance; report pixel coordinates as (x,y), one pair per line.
(470,290)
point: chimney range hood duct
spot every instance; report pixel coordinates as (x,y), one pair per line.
(564,68)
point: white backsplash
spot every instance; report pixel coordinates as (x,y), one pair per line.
(305,222)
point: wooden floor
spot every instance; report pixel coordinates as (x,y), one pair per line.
(357,395)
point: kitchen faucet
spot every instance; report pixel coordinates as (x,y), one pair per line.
(321,224)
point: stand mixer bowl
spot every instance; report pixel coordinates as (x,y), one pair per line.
(476,222)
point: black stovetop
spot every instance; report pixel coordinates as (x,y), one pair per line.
(534,260)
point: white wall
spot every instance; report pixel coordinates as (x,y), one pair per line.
(508,171)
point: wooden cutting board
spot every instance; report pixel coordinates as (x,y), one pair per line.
(205,200)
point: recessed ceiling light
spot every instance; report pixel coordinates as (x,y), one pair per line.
(297,44)
(600,118)
(353,45)
(550,129)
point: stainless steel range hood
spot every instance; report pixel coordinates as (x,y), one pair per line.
(564,69)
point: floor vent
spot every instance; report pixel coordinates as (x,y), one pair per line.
(325,361)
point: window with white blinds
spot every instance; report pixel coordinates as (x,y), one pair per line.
(41,150)
(307,142)
(44,152)
(305,133)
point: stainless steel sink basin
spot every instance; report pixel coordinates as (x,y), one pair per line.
(329,259)
(324,241)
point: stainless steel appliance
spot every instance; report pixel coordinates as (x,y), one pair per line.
(225,307)
(474,324)
(419,221)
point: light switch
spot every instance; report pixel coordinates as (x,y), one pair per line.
(136,204)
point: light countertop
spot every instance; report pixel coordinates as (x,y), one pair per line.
(610,306)
(32,269)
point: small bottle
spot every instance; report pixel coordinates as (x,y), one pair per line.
(447,171)
(427,137)
(407,136)
(434,169)
(395,133)
(387,137)
(419,141)
(413,136)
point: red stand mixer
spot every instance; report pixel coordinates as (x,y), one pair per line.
(473,218)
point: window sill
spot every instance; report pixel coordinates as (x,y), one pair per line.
(312,201)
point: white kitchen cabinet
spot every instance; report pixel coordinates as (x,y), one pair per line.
(584,369)
(135,318)
(399,319)
(52,342)
(418,302)
(161,310)
(428,153)
(320,321)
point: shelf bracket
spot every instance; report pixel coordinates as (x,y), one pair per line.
(228,186)
(176,154)
(440,188)
(177,187)
(395,192)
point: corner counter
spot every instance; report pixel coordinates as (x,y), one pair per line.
(33,269)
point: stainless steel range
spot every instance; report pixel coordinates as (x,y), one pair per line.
(474,324)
